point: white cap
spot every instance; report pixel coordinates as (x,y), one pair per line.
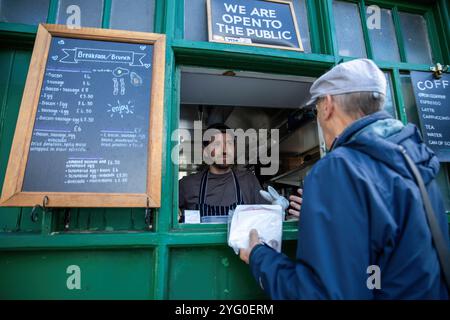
(353,76)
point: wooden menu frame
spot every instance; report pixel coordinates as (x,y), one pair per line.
(12,194)
(294,19)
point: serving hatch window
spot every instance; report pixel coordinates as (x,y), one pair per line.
(281,140)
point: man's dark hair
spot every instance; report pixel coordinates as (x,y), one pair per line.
(222,127)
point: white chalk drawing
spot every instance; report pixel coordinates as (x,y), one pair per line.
(135,79)
(121,109)
(116,87)
(120,72)
(61,42)
(106,56)
(122,86)
(102,70)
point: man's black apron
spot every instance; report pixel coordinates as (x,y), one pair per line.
(213,213)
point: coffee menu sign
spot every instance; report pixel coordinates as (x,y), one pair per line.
(267,23)
(433,105)
(90,125)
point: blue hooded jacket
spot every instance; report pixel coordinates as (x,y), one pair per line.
(361,207)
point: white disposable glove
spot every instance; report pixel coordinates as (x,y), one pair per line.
(274,197)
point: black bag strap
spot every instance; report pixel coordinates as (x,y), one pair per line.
(440,244)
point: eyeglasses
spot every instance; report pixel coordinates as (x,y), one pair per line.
(311,109)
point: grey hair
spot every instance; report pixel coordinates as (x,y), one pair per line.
(357,104)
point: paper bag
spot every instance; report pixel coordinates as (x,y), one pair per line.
(266,219)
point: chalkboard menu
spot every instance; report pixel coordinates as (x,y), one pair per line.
(433,104)
(94,135)
(266,23)
(91,127)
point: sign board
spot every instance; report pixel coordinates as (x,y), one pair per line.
(89,131)
(433,105)
(266,23)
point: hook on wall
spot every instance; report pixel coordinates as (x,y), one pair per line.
(148,215)
(34,211)
(67,217)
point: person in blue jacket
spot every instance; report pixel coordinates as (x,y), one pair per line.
(363,232)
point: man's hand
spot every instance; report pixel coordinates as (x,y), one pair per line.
(296,203)
(244,254)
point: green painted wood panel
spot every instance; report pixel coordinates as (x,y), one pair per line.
(209,273)
(213,272)
(104,274)
(9,219)
(14,65)
(98,219)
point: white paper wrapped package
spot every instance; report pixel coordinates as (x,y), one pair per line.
(266,219)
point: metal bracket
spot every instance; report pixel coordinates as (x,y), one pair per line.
(34,212)
(67,217)
(148,215)
(438,69)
